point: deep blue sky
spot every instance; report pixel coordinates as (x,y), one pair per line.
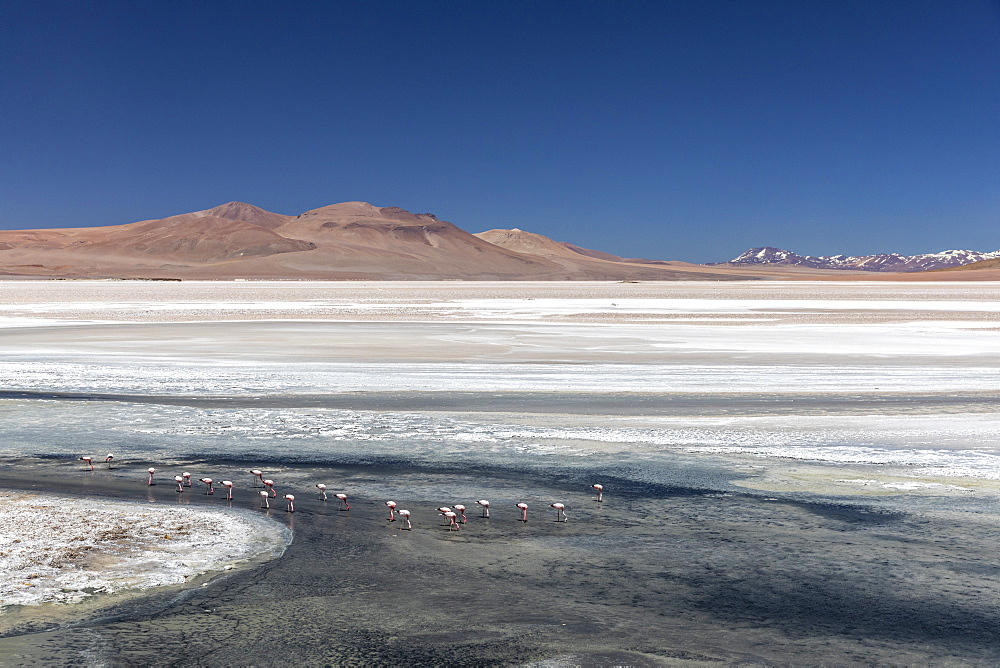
(686,130)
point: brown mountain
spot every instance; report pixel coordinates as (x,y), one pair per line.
(359,240)
(991,263)
(198,238)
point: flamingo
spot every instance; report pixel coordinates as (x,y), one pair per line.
(187,479)
(405,514)
(257,474)
(392,510)
(322,490)
(460,509)
(560,512)
(270,485)
(344,505)
(291,502)
(208,481)
(263,499)
(180,483)
(107,460)
(444,509)
(89,462)
(524,511)
(600,492)
(486,507)
(151,471)
(450,516)
(228,484)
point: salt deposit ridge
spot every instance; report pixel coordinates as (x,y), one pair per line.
(59,550)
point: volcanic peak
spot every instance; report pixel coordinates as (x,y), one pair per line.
(248,213)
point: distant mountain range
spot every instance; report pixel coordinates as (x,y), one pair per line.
(360,241)
(351,240)
(890,262)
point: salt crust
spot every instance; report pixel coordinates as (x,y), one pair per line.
(62,550)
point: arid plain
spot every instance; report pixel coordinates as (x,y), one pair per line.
(795,473)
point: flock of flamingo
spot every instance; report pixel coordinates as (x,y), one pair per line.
(453,515)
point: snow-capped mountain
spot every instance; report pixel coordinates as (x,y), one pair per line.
(881,262)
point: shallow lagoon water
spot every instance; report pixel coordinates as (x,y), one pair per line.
(765,505)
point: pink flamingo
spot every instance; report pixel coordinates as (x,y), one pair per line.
(460,509)
(229,485)
(344,505)
(151,471)
(257,474)
(270,485)
(322,490)
(600,492)
(89,461)
(444,509)
(450,516)
(560,512)
(291,502)
(263,499)
(107,460)
(187,479)
(524,511)
(392,510)
(180,483)
(486,507)
(405,515)
(208,481)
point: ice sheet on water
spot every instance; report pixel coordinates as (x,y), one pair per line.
(61,549)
